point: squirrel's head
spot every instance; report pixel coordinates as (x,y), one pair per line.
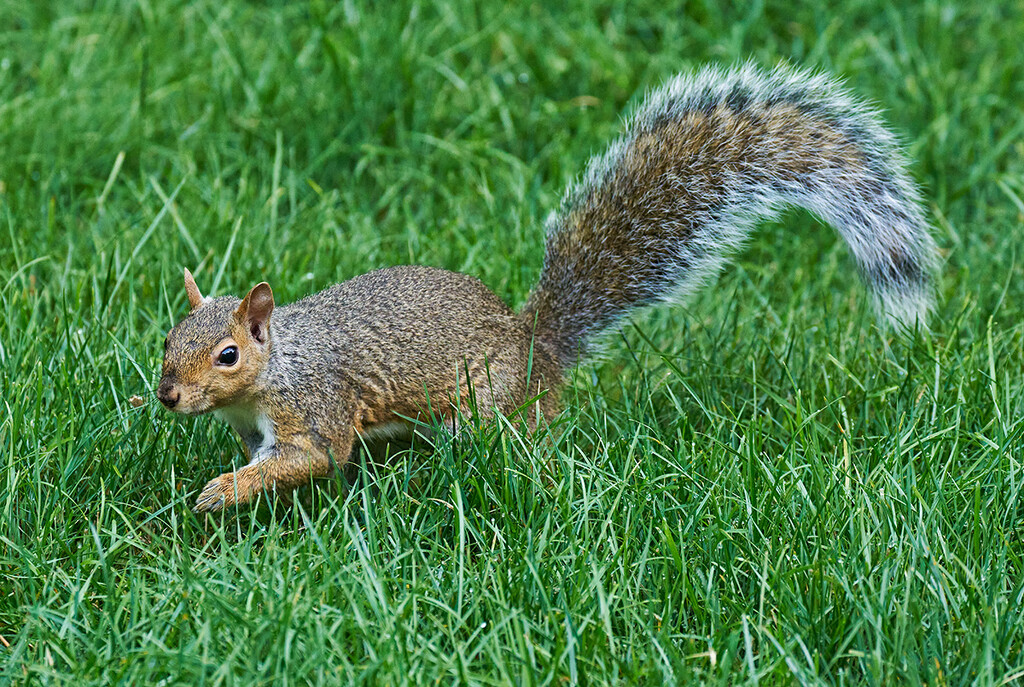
(214,357)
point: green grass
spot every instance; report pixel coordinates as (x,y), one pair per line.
(760,486)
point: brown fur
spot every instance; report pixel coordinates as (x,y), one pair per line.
(650,203)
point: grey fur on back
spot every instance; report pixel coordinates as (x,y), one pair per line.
(701,161)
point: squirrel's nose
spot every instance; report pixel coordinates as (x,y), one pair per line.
(167,394)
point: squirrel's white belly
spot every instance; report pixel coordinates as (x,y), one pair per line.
(255,428)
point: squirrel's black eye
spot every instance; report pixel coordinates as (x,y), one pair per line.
(229,356)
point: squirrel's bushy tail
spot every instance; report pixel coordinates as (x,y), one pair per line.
(701,161)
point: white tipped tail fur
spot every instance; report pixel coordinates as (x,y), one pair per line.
(702,160)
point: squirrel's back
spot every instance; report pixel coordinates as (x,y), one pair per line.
(408,338)
(702,159)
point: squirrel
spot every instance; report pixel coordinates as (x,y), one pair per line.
(701,160)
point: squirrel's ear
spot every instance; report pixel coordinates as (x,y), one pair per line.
(255,311)
(195,299)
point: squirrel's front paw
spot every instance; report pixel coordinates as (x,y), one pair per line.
(218,494)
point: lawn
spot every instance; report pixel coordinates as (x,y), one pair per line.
(759,486)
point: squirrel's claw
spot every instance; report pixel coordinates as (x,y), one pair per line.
(215,496)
